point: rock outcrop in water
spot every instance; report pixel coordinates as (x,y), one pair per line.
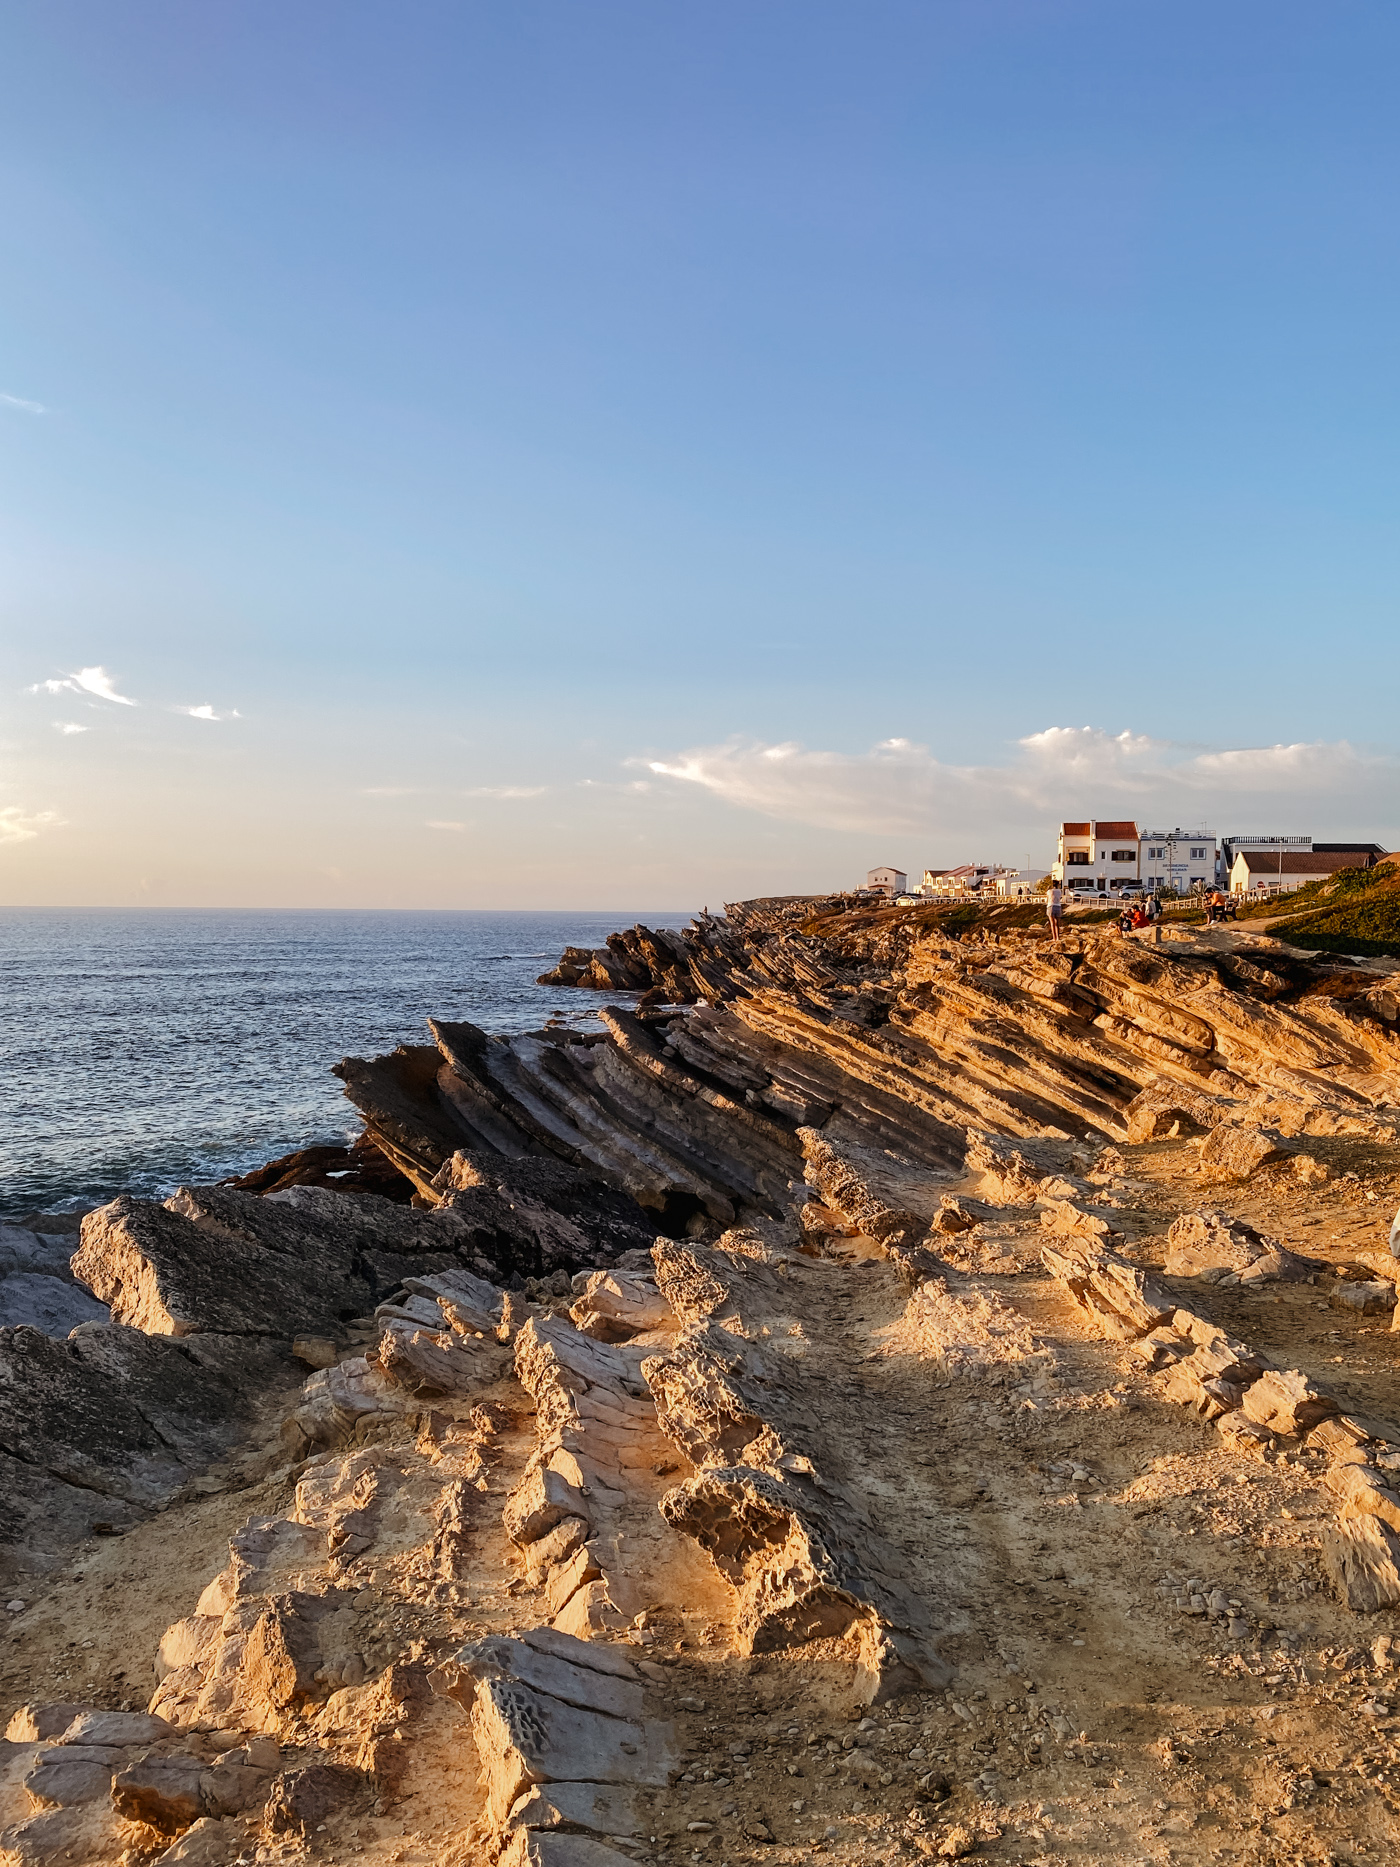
(872,1389)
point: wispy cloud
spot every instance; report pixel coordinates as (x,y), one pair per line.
(68,726)
(435,823)
(506,790)
(20,402)
(1072,770)
(207,712)
(94,681)
(22,826)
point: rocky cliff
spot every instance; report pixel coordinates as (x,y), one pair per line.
(885,1393)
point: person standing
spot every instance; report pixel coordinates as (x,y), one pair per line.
(1054,911)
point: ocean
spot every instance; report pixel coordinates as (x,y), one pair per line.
(142,1048)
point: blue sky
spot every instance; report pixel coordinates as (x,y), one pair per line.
(644,454)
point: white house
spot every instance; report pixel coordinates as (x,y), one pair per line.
(1097,855)
(1012,883)
(1109,854)
(1278,846)
(1273,870)
(888,881)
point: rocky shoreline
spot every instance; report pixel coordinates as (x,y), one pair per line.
(768,1426)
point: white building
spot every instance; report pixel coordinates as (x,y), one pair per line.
(1097,855)
(887,881)
(1179,859)
(968,878)
(1280,847)
(1108,855)
(1274,870)
(1012,883)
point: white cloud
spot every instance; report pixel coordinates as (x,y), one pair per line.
(68,726)
(19,826)
(95,681)
(1064,770)
(18,401)
(207,712)
(434,824)
(506,790)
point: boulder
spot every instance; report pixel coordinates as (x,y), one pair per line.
(1213,1244)
(1169,1108)
(1123,1301)
(116,1728)
(33,1724)
(83,1835)
(1287,1403)
(1362,1558)
(580,1808)
(1371,1298)
(208,1843)
(616,1305)
(299,1804)
(426,1362)
(52,1304)
(59,1782)
(525,1736)
(1239,1153)
(167,1272)
(542,1847)
(163,1792)
(567,1669)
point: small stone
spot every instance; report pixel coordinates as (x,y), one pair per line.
(1238,1628)
(693,1704)
(14,1607)
(699,1828)
(956,1844)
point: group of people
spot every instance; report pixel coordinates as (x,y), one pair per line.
(1136,914)
(1139,914)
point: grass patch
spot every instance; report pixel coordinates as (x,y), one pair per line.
(1354,911)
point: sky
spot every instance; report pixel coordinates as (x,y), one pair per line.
(640,454)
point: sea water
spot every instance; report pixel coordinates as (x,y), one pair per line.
(142,1048)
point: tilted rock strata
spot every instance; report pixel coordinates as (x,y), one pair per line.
(699,1107)
(1254,1406)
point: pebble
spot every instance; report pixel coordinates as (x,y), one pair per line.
(14,1607)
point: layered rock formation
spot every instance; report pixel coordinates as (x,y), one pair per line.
(776,1424)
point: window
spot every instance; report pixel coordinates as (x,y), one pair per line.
(1156,855)
(1122,855)
(1077,858)
(1198,855)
